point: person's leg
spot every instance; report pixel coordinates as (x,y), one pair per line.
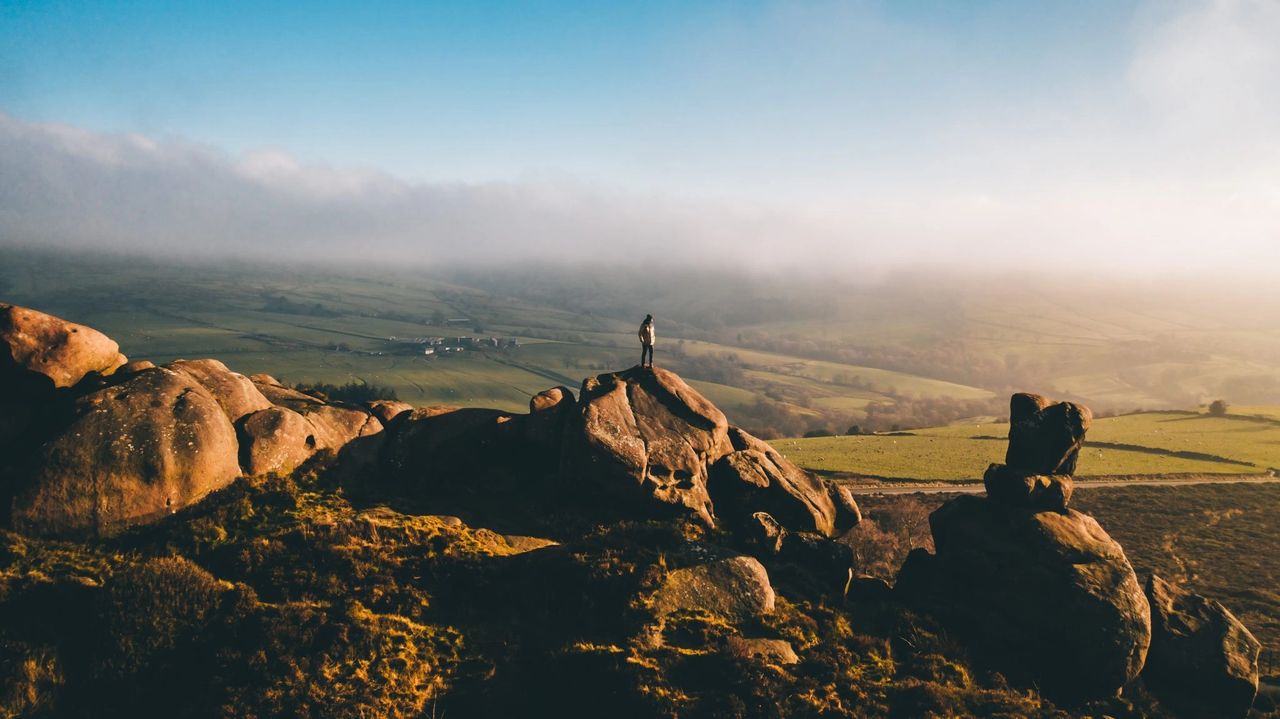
(649,349)
(644,350)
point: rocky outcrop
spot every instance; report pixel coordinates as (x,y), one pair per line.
(1202,660)
(279,439)
(335,425)
(133,367)
(39,349)
(282,396)
(275,440)
(233,391)
(1044,443)
(756,478)
(1040,590)
(642,438)
(647,437)
(134,452)
(1047,596)
(651,440)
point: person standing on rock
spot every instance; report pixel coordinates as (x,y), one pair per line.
(646,340)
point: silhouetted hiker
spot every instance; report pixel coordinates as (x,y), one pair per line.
(646,340)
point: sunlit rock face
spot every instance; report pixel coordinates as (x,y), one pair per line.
(39,349)
(134,452)
(649,439)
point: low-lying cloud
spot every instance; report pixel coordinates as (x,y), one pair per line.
(1166,166)
(68,187)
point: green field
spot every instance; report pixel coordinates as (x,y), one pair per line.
(1139,444)
(335,328)
(782,355)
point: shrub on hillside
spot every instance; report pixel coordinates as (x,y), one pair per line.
(887,534)
(149,608)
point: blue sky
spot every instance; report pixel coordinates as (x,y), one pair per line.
(643,91)
(878,131)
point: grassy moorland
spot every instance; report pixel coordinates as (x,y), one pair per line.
(1149,443)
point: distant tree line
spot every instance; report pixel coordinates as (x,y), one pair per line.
(354,392)
(284,305)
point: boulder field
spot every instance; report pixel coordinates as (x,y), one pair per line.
(133,442)
(95,444)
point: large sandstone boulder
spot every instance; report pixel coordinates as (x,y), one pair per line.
(40,348)
(234,392)
(1045,596)
(134,452)
(278,439)
(756,478)
(275,440)
(335,426)
(1202,658)
(647,437)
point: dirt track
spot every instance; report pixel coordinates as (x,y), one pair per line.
(974,487)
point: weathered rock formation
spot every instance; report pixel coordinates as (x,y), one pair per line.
(275,440)
(1047,596)
(1202,660)
(549,413)
(756,478)
(648,438)
(234,392)
(1045,436)
(134,452)
(1011,488)
(36,348)
(1039,589)
(294,426)
(645,436)
(138,442)
(464,448)
(150,440)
